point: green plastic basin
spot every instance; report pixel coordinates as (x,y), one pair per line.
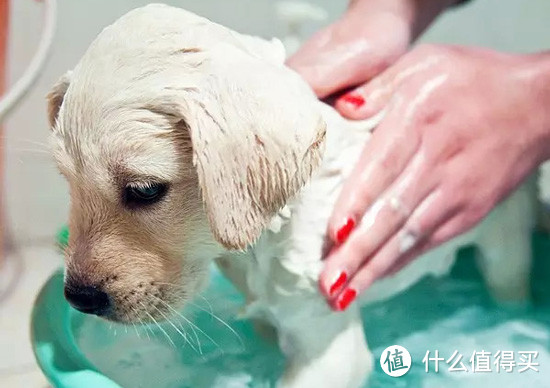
(208,346)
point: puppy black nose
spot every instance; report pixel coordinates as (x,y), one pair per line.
(88,299)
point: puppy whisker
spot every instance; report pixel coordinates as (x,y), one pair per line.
(193,326)
(46,146)
(223,323)
(182,332)
(178,330)
(194,332)
(135,328)
(29,151)
(144,325)
(207,302)
(133,310)
(158,325)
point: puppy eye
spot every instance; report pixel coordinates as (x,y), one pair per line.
(144,194)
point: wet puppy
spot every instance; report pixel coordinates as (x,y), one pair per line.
(182,142)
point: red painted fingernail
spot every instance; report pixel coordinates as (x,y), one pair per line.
(353,99)
(338,283)
(344,231)
(345,299)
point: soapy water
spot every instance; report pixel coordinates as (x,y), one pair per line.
(447,315)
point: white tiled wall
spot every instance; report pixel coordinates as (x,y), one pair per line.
(37,199)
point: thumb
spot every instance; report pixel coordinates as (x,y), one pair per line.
(333,59)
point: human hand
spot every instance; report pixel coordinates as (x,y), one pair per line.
(462,128)
(370,37)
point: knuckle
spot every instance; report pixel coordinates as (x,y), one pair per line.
(430,115)
(442,56)
(459,187)
(476,214)
(396,155)
(360,249)
(422,223)
(439,239)
(359,203)
(466,221)
(389,159)
(374,269)
(437,152)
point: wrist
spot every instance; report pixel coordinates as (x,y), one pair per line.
(424,12)
(417,15)
(534,75)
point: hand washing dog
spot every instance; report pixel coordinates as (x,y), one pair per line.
(185,142)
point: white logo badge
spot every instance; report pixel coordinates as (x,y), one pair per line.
(395,361)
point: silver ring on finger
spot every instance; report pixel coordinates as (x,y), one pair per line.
(408,238)
(397,205)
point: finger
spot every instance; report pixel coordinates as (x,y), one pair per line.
(380,222)
(369,99)
(378,267)
(446,232)
(426,229)
(381,162)
(414,238)
(332,60)
(422,247)
(367,275)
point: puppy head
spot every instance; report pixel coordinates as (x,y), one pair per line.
(173,154)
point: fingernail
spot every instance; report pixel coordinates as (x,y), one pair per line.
(355,100)
(345,299)
(344,231)
(338,283)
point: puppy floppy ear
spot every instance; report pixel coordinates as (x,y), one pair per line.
(55,97)
(257,135)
